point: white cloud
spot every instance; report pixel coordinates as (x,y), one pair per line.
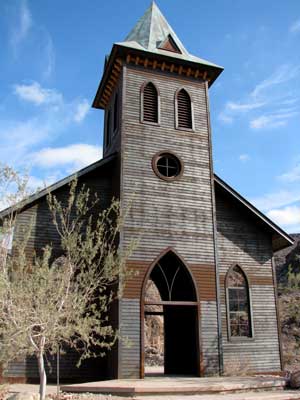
(244,107)
(21,26)
(75,155)
(287,216)
(283,73)
(291,176)
(244,157)
(295,27)
(37,95)
(81,110)
(49,55)
(272,121)
(269,94)
(277,199)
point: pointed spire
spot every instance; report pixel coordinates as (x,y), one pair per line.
(152,30)
(153,33)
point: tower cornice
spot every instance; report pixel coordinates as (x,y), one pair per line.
(168,63)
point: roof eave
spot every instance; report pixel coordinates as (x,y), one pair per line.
(57,185)
(121,50)
(280,238)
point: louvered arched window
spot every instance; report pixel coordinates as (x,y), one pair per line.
(150,103)
(238,304)
(184,117)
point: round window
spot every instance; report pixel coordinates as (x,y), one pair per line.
(167,166)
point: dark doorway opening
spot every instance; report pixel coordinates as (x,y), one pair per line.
(171,336)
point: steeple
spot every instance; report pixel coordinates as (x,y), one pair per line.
(152,30)
(153,44)
(154,34)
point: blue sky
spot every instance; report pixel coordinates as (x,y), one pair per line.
(51,61)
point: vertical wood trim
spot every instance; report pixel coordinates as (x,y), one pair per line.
(277,314)
(214,220)
(121,241)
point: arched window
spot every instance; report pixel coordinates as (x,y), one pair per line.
(150,104)
(184,117)
(238,304)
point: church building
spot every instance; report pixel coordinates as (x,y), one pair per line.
(207,250)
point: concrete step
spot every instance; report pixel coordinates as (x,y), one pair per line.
(178,386)
(269,395)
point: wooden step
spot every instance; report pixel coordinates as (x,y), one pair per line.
(174,386)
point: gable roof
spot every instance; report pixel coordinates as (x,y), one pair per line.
(280,239)
(57,185)
(151,31)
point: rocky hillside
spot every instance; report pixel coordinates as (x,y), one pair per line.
(288,258)
(288,276)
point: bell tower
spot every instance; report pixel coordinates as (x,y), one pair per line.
(155,97)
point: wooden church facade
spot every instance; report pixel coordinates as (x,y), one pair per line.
(207,250)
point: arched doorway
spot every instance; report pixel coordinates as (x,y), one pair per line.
(170,308)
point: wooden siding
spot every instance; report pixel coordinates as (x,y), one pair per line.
(129,348)
(37,216)
(175,214)
(242,242)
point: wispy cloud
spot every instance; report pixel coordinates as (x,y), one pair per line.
(283,74)
(244,157)
(295,27)
(21,25)
(272,121)
(266,106)
(38,95)
(49,56)
(291,176)
(288,216)
(74,156)
(81,110)
(278,199)
(75,110)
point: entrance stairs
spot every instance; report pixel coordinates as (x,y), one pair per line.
(175,388)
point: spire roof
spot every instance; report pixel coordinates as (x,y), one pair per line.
(153,33)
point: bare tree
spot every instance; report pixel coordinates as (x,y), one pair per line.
(49,302)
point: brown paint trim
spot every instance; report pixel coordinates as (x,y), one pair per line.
(277,314)
(156,171)
(142,308)
(239,338)
(171,303)
(215,236)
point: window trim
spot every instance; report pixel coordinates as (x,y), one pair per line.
(192,129)
(156,171)
(108,130)
(142,104)
(115,118)
(229,336)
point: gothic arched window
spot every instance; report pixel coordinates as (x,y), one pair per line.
(149,103)
(183,109)
(238,304)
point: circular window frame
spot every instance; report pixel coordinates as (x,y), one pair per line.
(155,159)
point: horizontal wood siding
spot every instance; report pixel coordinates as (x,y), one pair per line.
(242,242)
(175,214)
(129,348)
(37,217)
